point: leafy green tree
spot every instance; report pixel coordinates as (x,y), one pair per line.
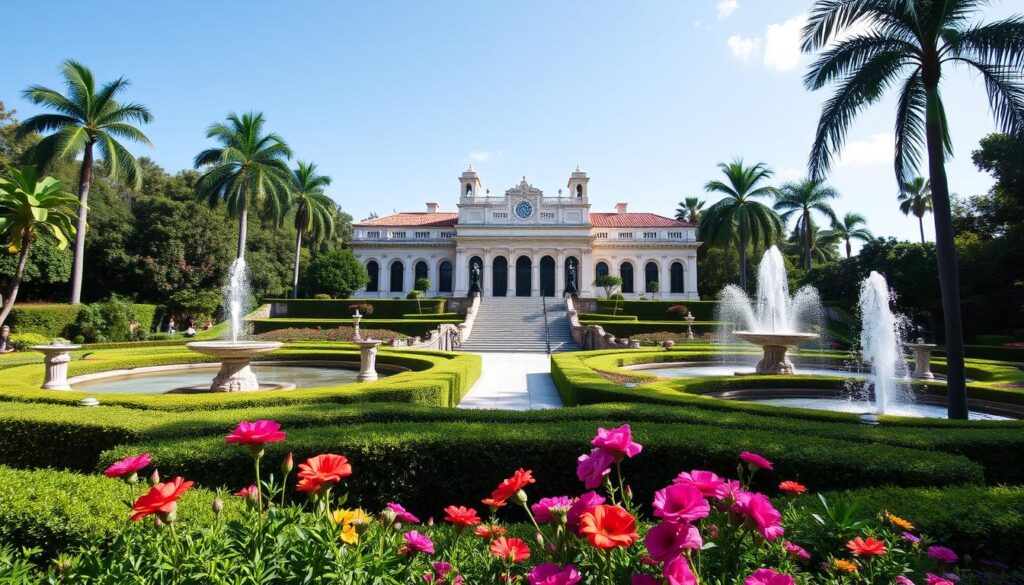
(30,205)
(12,147)
(609,283)
(908,44)
(916,198)
(314,211)
(195,305)
(1002,155)
(87,120)
(739,218)
(801,199)
(824,246)
(853,226)
(48,264)
(249,169)
(336,273)
(690,209)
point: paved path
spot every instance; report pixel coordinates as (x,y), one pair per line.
(514,381)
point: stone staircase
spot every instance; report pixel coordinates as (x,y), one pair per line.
(516,324)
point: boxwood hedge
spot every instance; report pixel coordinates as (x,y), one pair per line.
(658,310)
(338,308)
(410,327)
(621,328)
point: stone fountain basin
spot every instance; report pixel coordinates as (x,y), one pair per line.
(228,350)
(776,339)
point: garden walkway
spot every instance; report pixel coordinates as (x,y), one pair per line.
(514,381)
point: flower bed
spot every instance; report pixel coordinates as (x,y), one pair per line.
(409,327)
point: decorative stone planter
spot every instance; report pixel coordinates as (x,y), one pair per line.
(922,359)
(56,358)
(367,360)
(235,375)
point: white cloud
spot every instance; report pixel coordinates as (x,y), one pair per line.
(744,48)
(875,150)
(698,24)
(480,155)
(726,8)
(782,44)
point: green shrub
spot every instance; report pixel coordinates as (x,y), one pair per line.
(110,320)
(620,328)
(339,308)
(657,310)
(410,327)
(602,317)
(49,320)
(337,273)
(418,316)
(23,341)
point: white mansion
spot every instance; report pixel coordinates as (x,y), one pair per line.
(527,244)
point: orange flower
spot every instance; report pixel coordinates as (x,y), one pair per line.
(322,469)
(489,531)
(845,566)
(511,486)
(869,547)
(492,503)
(461,516)
(899,522)
(510,549)
(161,499)
(607,527)
(792,487)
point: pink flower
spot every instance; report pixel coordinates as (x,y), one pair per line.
(256,433)
(542,509)
(442,568)
(666,541)
(943,554)
(644,580)
(593,468)
(680,503)
(552,574)
(678,572)
(796,551)
(617,441)
(759,512)
(417,543)
(581,505)
(709,484)
(248,492)
(755,461)
(936,580)
(768,577)
(402,515)
(128,466)
(901,580)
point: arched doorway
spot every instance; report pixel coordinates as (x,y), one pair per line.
(373,271)
(421,270)
(572,275)
(676,280)
(444,277)
(651,283)
(547,276)
(476,284)
(524,267)
(499,275)
(626,273)
(397,276)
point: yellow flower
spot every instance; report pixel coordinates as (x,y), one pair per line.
(352,522)
(349,534)
(845,566)
(899,522)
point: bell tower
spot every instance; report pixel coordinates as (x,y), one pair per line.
(578,185)
(469,184)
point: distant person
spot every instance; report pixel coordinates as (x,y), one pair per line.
(190,332)
(5,340)
(133,327)
(208,325)
(171,328)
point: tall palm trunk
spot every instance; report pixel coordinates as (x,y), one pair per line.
(295,272)
(920,224)
(85,179)
(848,248)
(743,259)
(807,241)
(26,239)
(945,250)
(243,228)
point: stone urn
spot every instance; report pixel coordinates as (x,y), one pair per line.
(922,359)
(774,347)
(56,358)
(367,359)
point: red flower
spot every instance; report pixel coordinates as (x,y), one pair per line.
(256,433)
(129,466)
(792,487)
(607,527)
(509,487)
(866,547)
(160,499)
(489,531)
(461,516)
(510,549)
(322,469)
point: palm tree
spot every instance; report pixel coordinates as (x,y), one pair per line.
(29,206)
(916,198)
(824,245)
(800,199)
(248,170)
(907,44)
(314,211)
(690,209)
(738,217)
(86,120)
(852,228)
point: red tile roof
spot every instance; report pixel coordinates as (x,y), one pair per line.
(634,220)
(444,219)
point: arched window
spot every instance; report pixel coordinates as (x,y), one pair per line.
(579,190)
(444,277)
(421,271)
(601,269)
(476,283)
(626,273)
(373,270)
(397,276)
(676,277)
(651,283)
(469,190)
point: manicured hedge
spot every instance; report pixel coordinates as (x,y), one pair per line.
(658,310)
(429,466)
(45,319)
(605,317)
(338,308)
(629,328)
(408,327)
(459,316)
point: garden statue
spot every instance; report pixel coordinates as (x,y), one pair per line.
(474,278)
(356,318)
(689,325)
(570,287)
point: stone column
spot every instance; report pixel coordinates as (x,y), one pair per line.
(586,272)
(410,276)
(461,274)
(560,273)
(535,274)
(510,287)
(367,360)
(691,278)
(488,275)
(665,279)
(55,362)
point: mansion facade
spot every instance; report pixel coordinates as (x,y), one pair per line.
(525,244)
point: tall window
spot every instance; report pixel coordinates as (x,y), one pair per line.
(444,277)
(626,272)
(397,276)
(373,270)
(651,277)
(601,269)
(676,277)
(422,271)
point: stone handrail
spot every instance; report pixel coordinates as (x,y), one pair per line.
(446,337)
(593,336)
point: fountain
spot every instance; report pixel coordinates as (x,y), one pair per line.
(880,342)
(234,356)
(367,352)
(773,318)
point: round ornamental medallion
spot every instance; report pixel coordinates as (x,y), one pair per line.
(524,209)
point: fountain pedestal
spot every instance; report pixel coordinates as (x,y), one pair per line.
(56,358)
(775,345)
(235,375)
(367,359)
(922,360)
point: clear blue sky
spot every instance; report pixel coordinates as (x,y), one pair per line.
(394,99)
